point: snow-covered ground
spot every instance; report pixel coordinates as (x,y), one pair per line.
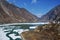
(4,37)
(25,23)
(3,33)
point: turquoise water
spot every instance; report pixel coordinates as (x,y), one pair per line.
(13,32)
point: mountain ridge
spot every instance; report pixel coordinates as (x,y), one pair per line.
(13,14)
(52,15)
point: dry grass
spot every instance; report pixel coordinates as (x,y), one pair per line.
(45,32)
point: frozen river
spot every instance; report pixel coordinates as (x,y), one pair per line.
(6,34)
(13,31)
(4,37)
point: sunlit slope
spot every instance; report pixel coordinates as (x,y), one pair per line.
(10,13)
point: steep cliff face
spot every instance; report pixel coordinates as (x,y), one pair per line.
(10,13)
(52,15)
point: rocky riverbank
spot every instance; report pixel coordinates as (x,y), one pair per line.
(44,32)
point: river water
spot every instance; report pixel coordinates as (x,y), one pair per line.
(13,32)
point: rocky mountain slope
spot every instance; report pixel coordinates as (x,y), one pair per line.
(10,13)
(44,32)
(52,15)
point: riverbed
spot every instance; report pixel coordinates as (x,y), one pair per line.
(13,32)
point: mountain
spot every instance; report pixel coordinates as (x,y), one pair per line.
(10,13)
(52,15)
(43,32)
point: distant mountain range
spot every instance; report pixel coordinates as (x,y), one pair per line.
(10,13)
(52,15)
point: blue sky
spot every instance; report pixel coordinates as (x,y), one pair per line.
(36,7)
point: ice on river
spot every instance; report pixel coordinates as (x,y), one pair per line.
(4,37)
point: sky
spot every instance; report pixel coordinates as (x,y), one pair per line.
(36,7)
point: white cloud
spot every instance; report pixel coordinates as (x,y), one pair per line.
(34,1)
